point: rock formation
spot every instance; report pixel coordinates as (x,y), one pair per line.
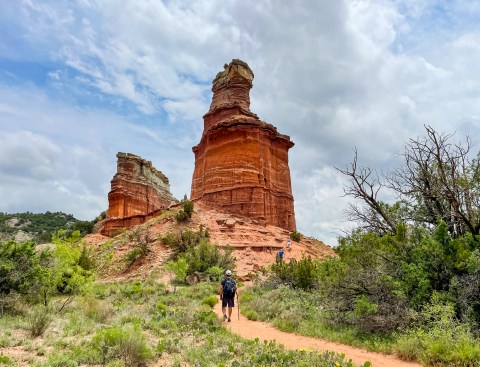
(138,193)
(241,162)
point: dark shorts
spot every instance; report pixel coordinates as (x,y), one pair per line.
(228,301)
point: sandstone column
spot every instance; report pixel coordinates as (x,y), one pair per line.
(241,162)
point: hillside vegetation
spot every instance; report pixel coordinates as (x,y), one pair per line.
(53,313)
(39,227)
(407,279)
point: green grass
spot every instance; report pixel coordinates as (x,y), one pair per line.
(300,312)
(133,323)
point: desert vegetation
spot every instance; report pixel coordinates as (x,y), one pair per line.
(54,313)
(40,227)
(407,279)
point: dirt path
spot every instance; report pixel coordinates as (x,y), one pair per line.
(263,331)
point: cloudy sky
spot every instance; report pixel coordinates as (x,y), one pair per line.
(81,80)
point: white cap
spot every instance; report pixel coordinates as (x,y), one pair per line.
(228,272)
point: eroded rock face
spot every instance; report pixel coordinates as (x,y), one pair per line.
(138,193)
(241,162)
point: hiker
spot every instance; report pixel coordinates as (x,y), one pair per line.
(289,244)
(228,290)
(280,255)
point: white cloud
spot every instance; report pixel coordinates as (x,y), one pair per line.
(26,154)
(332,74)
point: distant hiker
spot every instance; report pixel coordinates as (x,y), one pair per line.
(227,295)
(289,244)
(280,255)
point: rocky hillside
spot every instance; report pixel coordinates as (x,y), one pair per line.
(254,245)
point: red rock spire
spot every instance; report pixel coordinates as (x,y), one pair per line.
(231,94)
(241,162)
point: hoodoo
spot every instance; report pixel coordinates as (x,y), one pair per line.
(139,192)
(241,162)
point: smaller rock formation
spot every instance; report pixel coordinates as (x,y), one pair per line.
(138,193)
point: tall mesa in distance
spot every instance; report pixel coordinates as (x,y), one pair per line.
(241,162)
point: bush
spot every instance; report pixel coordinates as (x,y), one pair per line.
(5,360)
(188,207)
(21,267)
(179,268)
(210,301)
(185,240)
(185,213)
(295,236)
(206,255)
(181,216)
(122,343)
(97,310)
(440,339)
(215,273)
(67,275)
(169,240)
(132,255)
(303,274)
(141,241)
(251,315)
(38,320)
(86,260)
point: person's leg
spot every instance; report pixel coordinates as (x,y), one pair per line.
(224,308)
(230,308)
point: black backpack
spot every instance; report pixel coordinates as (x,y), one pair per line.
(229,288)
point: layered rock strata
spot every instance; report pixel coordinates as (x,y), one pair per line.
(241,162)
(138,193)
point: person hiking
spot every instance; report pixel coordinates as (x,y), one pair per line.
(289,244)
(228,290)
(280,255)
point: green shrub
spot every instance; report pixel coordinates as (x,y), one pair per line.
(140,240)
(188,207)
(169,240)
(181,216)
(179,268)
(97,310)
(185,213)
(133,255)
(86,259)
(137,289)
(38,320)
(441,339)
(67,275)
(5,360)
(364,307)
(251,315)
(295,236)
(160,309)
(288,321)
(59,359)
(185,240)
(22,268)
(206,255)
(215,273)
(126,344)
(303,274)
(408,347)
(210,301)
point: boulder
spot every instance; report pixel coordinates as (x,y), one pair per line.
(195,278)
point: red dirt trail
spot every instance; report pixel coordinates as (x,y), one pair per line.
(254,329)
